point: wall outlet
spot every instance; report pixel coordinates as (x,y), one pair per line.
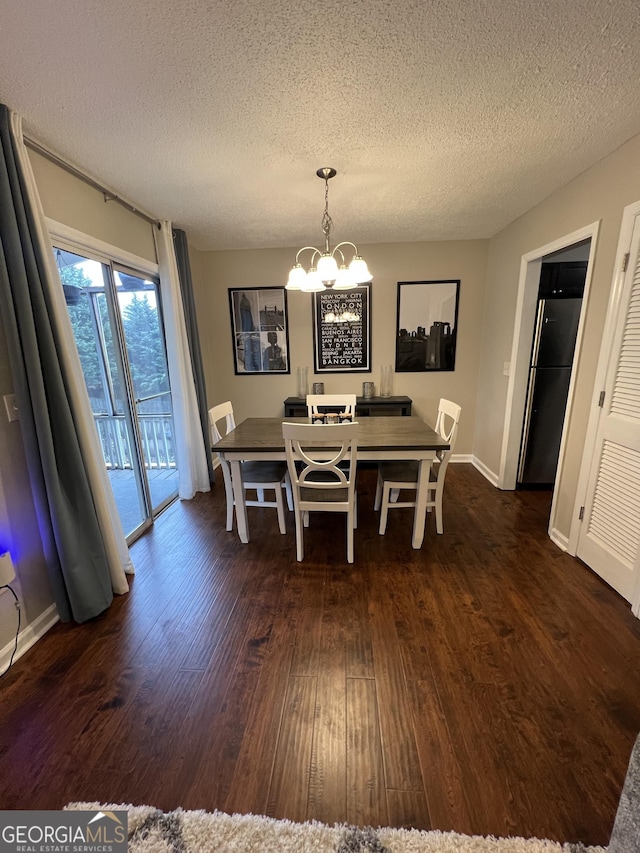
(10,406)
(506,370)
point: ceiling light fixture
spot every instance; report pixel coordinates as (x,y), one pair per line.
(325,271)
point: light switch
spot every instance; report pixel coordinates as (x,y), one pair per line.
(506,370)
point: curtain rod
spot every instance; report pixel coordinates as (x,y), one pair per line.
(107,194)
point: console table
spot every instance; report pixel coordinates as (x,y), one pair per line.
(296,407)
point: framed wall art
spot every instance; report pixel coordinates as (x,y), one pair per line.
(259,330)
(342,330)
(426,329)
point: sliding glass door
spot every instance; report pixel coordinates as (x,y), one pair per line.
(117,322)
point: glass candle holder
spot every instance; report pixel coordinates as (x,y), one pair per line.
(303,381)
(386,380)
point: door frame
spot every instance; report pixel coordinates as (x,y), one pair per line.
(105,250)
(526,307)
(629,215)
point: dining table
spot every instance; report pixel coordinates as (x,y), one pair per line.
(379,438)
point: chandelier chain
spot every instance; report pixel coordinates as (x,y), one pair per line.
(327,222)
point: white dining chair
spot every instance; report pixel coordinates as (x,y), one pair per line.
(395,477)
(322,484)
(320,403)
(260,476)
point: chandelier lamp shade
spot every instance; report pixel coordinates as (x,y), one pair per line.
(328,269)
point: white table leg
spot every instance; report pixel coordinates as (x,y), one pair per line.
(422,493)
(239,500)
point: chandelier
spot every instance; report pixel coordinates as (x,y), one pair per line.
(329,268)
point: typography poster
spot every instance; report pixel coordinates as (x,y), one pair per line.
(342,330)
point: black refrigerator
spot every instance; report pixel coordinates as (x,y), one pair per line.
(549,375)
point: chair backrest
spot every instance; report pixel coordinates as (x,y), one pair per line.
(317,403)
(447,427)
(448,419)
(314,454)
(217,413)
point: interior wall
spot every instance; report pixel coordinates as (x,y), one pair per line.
(576,252)
(69,200)
(19,531)
(599,194)
(390,263)
(75,203)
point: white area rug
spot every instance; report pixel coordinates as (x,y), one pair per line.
(153,831)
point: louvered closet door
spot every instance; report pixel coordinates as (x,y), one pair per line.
(609,539)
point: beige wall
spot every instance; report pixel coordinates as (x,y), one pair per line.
(215,272)
(72,202)
(600,194)
(18,523)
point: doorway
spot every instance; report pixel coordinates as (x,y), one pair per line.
(116,316)
(519,366)
(560,293)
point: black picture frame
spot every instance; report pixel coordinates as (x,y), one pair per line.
(259,330)
(342,346)
(426,325)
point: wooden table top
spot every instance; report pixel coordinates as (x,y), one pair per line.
(375,434)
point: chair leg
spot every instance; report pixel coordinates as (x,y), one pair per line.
(350,527)
(228,489)
(439,526)
(384,510)
(378,498)
(282,524)
(287,487)
(299,542)
(305,518)
(260,495)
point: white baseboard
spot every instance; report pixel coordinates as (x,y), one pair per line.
(559,539)
(487,473)
(29,635)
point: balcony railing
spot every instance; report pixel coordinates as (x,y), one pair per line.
(157,441)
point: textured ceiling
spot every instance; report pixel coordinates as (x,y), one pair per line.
(445,119)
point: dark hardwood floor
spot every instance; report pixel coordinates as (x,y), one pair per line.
(487,683)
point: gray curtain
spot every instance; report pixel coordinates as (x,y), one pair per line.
(72,542)
(191,322)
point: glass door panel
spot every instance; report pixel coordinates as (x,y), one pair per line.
(139,307)
(117,430)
